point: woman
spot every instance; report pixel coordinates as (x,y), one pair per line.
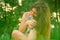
(43,21)
(42,26)
(26,23)
(41,29)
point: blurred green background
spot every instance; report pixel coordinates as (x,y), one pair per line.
(12,10)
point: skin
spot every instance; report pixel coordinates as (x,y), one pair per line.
(19,34)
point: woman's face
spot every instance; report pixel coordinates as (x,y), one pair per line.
(34,11)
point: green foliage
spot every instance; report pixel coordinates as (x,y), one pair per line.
(5,37)
(9,20)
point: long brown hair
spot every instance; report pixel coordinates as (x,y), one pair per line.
(43,18)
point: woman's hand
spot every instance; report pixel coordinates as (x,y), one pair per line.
(31,22)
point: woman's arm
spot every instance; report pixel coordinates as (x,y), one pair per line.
(23,25)
(26,24)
